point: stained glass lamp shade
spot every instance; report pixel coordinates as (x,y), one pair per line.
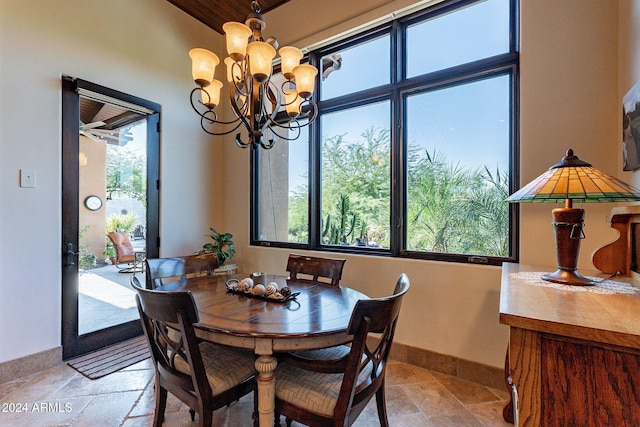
(567,181)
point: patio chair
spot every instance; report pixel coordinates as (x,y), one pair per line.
(334,390)
(205,376)
(128,259)
(315,267)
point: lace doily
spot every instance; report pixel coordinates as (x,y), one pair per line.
(603,286)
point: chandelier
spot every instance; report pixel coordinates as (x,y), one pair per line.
(255,95)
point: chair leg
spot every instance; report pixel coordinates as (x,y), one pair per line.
(206,417)
(381,403)
(254,414)
(161,404)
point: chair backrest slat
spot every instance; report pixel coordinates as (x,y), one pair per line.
(163,270)
(159,312)
(200,264)
(373,316)
(316,267)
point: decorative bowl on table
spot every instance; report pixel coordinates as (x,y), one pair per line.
(270,292)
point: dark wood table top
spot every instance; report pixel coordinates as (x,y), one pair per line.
(319,310)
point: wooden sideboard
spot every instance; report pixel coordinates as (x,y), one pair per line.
(574,354)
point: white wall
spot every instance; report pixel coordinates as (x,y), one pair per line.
(570,98)
(138,47)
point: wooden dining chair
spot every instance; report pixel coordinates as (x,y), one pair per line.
(333,390)
(159,271)
(128,260)
(205,376)
(200,264)
(315,267)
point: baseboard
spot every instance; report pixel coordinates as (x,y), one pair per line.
(465,369)
(23,366)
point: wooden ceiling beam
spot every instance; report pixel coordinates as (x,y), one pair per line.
(214,13)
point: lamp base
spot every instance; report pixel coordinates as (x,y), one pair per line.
(568,277)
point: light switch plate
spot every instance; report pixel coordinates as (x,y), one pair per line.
(28,178)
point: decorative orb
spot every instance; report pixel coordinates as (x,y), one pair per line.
(285,291)
(247,282)
(258,290)
(273,284)
(271,289)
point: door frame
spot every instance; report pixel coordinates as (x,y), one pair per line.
(72,343)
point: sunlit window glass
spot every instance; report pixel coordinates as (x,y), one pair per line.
(475,32)
(284,191)
(356,177)
(361,67)
(458,168)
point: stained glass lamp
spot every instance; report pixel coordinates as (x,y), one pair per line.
(567,181)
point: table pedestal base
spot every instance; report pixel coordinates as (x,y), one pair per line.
(265,365)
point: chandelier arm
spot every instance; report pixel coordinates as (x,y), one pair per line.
(296,129)
(193,105)
(275,106)
(268,146)
(206,115)
(310,116)
(243,144)
(271,95)
(210,132)
(241,114)
(239,84)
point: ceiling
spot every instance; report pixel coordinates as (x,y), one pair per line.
(113,117)
(102,122)
(214,13)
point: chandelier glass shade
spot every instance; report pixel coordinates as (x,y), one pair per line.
(267,107)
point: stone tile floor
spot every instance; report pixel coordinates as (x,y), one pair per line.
(60,396)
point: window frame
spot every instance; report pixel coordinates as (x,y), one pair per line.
(395,92)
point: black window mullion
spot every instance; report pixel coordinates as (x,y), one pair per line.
(397,92)
(397,152)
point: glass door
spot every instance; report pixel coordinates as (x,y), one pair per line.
(110,212)
(112,200)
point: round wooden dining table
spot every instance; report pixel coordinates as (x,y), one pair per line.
(317,317)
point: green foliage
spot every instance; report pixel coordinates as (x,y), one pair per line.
(123,222)
(110,251)
(222,246)
(356,189)
(87,260)
(340,232)
(82,248)
(454,210)
(125,174)
(298,216)
(450,209)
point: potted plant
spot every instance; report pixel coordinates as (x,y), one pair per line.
(87,260)
(222,246)
(110,253)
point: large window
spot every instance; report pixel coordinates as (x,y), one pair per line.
(414,149)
